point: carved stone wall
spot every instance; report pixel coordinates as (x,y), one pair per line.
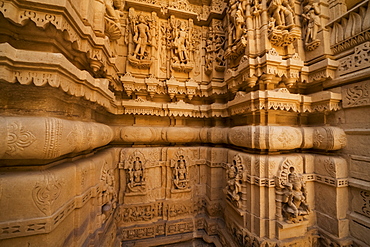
(183,122)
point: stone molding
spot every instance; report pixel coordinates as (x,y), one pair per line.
(254,137)
(54,70)
(23,137)
(351,28)
(65,19)
(49,138)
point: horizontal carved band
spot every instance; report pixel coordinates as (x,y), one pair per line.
(49,138)
(255,137)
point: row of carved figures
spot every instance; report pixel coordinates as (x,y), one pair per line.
(135,170)
(180,39)
(291,189)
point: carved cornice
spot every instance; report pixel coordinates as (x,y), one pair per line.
(83,39)
(54,70)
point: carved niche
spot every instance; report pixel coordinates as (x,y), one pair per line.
(214,49)
(180,43)
(291,194)
(282,27)
(180,171)
(234,177)
(108,195)
(135,173)
(141,38)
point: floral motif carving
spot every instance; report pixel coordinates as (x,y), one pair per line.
(366,198)
(18,138)
(317,138)
(291,193)
(357,95)
(46,192)
(359,60)
(330,167)
(234,176)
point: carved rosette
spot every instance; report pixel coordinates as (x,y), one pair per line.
(234,177)
(135,173)
(291,194)
(180,171)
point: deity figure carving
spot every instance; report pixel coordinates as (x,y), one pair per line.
(292,194)
(135,172)
(181,45)
(236,14)
(181,173)
(108,196)
(209,56)
(282,28)
(140,38)
(234,176)
(219,53)
(312,22)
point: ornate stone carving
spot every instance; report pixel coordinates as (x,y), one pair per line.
(351,29)
(18,138)
(179,40)
(141,38)
(135,172)
(360,59)
(311,12)
(112,19)
(282,28)
(108,195)
(366,198)
(141,213)
(291,194)
(180,171)
(234,177)
(46,192)
(355,95)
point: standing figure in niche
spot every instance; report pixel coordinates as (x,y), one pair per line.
(180,44)
(181,173)
(138,171)
(311,16)
(141,38)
